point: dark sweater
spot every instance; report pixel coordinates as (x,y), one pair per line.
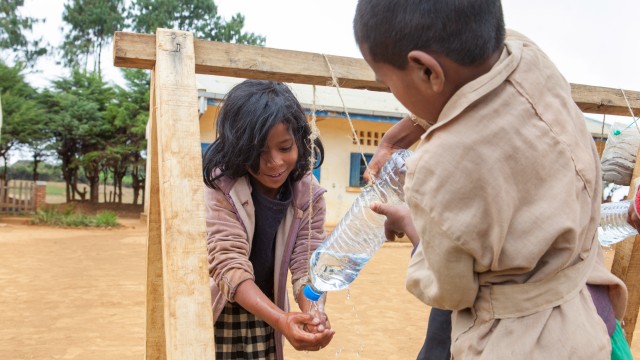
(269,214)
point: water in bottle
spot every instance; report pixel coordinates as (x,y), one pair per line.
(613,223)
(360,233)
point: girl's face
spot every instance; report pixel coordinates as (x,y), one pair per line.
(277,160)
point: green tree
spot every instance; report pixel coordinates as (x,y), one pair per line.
(77,109)
(21,110)
(16,47)
(35,135)
(129,114)
(198,16)
(92,24)
(13,33)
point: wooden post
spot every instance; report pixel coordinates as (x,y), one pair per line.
(626,266)
(186,298)
(155,345)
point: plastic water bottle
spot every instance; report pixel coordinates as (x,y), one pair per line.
(360,233)
(613,223)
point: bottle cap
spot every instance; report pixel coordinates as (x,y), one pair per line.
(311,294)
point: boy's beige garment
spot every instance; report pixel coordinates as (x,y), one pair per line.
(505,191)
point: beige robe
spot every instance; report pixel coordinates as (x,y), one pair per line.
(505,191)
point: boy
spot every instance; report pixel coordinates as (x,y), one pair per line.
(503,191)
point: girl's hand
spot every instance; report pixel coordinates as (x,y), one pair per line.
(398,221)
(323,322)
(292,325)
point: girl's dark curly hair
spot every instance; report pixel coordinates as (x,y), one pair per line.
(250,110)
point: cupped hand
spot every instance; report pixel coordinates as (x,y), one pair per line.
(292,326)
(323,322)
(398,222)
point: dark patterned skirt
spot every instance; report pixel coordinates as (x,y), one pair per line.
(241,335)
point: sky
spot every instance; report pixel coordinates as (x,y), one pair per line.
(591,41)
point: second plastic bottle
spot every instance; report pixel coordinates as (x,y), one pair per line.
(360,233)
(613,223)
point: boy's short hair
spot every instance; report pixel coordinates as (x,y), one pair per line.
(465,31)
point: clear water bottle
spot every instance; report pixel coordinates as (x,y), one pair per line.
(613,223)
(360,233)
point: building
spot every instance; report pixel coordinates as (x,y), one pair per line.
(372,114)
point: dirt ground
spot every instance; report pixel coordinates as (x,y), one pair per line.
(80,294)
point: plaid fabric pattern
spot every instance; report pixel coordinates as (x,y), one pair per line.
(241,335)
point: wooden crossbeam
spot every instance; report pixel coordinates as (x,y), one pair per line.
(257,62)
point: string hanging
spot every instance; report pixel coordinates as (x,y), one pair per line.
(312,162)
(334,82)
(635,119)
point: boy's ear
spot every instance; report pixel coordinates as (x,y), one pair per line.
(429,68)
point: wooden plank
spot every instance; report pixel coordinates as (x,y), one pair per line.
(256,62)
(133,50)
(188,319)
(29,196)
(603,100)
(17,193)
(155,344)
(626,266)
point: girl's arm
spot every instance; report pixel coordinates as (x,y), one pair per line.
(310,235)
(227,244)
(307,239)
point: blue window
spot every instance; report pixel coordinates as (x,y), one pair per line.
(358,168)
(316,173)
(204,147)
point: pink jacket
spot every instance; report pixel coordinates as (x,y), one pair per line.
(230,224)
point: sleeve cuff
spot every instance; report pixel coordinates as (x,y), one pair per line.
(298,284)
(418,121)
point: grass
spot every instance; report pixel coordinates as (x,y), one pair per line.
(51,216)
(54,189)
(56,192)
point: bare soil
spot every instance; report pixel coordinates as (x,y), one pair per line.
(80,294)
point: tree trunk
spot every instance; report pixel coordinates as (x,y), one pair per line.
(104,184)
(94,189)
(5,170)
(36,161)
(137,183)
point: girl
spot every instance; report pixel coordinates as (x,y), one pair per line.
(258,199)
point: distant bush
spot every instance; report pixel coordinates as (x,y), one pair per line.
(23,170)
(51,216)
(106,219)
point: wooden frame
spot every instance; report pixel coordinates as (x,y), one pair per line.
(179,318)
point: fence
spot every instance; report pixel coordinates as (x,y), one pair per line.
(21,196)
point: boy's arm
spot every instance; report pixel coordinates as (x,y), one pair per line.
(401,135)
